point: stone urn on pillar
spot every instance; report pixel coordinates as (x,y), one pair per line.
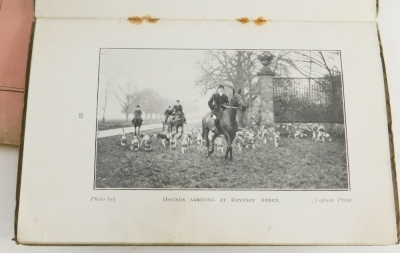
(266,90)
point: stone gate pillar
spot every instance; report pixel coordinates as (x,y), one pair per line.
(266,90)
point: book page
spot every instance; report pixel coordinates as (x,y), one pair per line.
(305,121)
(283,10)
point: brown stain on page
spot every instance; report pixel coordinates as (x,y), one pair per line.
(260,21)
(135,20)
(243,20)
(150,19)
(138,20)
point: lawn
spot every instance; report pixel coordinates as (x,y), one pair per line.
(295,164)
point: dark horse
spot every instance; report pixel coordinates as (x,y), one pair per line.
(137,122)
(229,120)
(178,122)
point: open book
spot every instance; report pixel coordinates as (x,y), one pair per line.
(206,122)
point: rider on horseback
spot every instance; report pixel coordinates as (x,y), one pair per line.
(178,108)
(138,113)
(216,103)
(168,113)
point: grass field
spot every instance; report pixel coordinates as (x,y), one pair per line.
(295,164)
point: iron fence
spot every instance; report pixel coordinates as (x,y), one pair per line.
(308,100)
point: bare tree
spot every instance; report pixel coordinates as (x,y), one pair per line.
(237,68)
(313,64)
(108,85)
(126,95)
(150,101)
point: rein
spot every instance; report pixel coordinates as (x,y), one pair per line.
(231,107)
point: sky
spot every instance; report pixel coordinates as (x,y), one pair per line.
(171,73)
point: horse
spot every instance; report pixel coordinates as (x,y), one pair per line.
(137,122)
(170,123)
(230,122)
(178,122)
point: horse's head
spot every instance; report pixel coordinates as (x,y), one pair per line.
(179,117)
(237,101)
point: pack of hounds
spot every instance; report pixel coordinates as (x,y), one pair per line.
(244,139)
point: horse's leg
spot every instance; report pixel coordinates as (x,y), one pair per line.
(229,148)
(230,151)
(205,131)
(212,143)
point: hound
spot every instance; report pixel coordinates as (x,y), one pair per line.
(163,137)
(296,134)
(299,134)
(322,135)
(267,135)
(240,143)
(240,134)
(219,142)
(143,138)
(250,141)
(291,134)
(123,138)
(190,138)
(287,126)
(134,143)
(147,145)
(199,139)
(276,138)
(260,133)
(172,140)
(184,145)
(314,129)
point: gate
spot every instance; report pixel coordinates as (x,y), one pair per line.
(308,100)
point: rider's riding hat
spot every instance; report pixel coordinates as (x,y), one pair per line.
(221,87)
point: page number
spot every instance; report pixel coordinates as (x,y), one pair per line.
(80,115)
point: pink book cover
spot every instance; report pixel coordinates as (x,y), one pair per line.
(16,18)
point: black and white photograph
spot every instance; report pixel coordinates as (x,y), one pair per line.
(220,119)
